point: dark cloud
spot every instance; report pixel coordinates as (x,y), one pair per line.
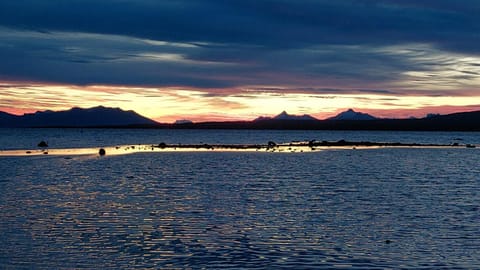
(326,91)
(215,44)
(274,24)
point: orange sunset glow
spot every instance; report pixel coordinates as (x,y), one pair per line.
(170,104)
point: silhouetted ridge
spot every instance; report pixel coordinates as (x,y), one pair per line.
(285,116)
(114,117)
(77,117)
(8,120)
(350,114)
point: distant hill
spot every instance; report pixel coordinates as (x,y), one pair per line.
(352,115)
(285,116)
(8,120)
(114,117)
(182,122)
(467,121)
(76,117)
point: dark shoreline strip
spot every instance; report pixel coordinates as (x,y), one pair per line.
(313,143)
(294,146)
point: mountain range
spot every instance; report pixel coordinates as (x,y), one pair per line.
(76,117)
(349,120)
(285,116)
(352,115)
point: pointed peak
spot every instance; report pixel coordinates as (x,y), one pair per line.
(350,114)
(285,116)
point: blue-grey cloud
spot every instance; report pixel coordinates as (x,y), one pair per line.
(214,44)
(271,23)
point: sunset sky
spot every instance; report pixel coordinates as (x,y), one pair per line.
(225,60)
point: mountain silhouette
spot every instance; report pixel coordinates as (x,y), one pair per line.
(466,121)
(114,117)
(285,116)
(8,120)
(350,114)
(76,117)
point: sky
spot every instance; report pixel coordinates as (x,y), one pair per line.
(236,60)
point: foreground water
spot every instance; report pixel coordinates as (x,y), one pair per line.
(370,209)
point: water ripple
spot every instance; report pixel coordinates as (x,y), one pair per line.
(374,209)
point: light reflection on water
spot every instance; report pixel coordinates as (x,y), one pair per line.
(24,138)
(235,210)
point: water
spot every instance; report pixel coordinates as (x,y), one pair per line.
(362,209)
(11,139)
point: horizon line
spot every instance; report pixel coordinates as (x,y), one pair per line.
(260,117)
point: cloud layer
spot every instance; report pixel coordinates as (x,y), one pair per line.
(270,23)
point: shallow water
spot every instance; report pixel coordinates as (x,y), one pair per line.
(363,209)
(75,138)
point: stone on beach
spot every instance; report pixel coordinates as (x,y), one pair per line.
(43,144)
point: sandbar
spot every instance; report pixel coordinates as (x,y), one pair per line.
(290,147)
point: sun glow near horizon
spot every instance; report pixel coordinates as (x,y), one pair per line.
(167,104)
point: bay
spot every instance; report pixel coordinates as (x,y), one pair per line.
(362,209)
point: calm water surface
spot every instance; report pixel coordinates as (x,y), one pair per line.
(62,138)
(362,209)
